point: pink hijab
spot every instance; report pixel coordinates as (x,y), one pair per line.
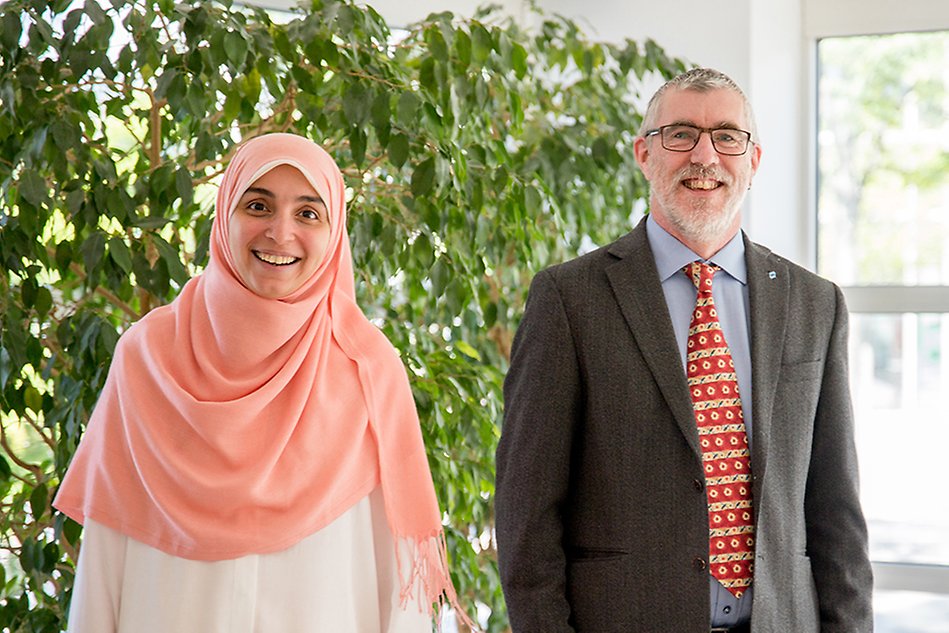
(231,424)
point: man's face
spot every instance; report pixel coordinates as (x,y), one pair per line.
(697,195)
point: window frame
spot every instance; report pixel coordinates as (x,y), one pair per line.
(871,299)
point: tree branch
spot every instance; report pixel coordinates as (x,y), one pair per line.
(33,420)
(33,468)
(104,292)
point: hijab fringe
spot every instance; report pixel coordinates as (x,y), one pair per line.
(427,580)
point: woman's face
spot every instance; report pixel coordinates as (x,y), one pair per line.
(278,233)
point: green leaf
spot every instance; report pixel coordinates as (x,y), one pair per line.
(184,186)
(380,111)
(440,276)
(172,259)
(481,43)
(93,248)
(422,252)
(151,222)
(95,12)
(423,177)
(10,33)
(165,81)
(357,146)
(5,474)
(426,74)
(6,366)
(407,109)
(74,200)
(519,60)
(43,302)
(120,253)
(33,187)
(463,48)
(436,42)
(28,555)
(28,293)
(356,105)
(346,20)
(33,399)
(38,500)
(235,47)
(398,149)
(72,531)
(467,350)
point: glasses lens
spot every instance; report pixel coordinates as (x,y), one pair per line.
(729,141)
(679,137)
(682,138)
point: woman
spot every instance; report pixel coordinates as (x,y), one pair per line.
(255,461)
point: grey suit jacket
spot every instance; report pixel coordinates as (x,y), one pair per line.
(601,511)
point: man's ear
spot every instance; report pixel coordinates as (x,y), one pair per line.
(641,152)
(755,158)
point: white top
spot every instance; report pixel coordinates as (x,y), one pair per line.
(340,580)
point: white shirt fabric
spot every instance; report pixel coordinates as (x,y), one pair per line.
(341,579)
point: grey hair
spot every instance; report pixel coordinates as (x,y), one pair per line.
(699,80)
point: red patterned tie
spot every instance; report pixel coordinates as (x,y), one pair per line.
(725,456)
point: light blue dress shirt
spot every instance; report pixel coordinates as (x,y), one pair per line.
(730,290)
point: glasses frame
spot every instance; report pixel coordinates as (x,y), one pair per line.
(702,130)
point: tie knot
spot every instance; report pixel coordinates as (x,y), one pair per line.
(701,275)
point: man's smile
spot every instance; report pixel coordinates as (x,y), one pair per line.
(704,185)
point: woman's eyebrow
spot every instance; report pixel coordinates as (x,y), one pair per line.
(267,192)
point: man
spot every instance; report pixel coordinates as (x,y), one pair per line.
(677,453)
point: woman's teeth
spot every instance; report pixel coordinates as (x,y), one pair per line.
(276,260)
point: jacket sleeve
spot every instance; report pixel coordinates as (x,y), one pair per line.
(836,529)
(543,401)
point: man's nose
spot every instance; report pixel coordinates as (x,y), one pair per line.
(704,152)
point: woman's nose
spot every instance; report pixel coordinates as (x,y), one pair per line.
(280,228)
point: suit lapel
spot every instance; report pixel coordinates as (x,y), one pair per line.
(768,292)
(635,283)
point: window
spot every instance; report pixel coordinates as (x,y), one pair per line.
(883,234)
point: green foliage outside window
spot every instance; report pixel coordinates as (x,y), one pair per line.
(476,152)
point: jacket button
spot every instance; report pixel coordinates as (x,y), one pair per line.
(698,485)
(699,563)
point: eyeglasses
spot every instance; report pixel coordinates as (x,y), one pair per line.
(684,138)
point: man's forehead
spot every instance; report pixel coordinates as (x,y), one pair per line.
(719,107)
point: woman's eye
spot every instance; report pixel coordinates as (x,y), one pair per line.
(257,205)
(310,214)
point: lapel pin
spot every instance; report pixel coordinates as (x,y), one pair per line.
(772,274)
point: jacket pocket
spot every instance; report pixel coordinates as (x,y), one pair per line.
(802,372)
(582,554)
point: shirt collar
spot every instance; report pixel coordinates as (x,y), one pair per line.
(672,256)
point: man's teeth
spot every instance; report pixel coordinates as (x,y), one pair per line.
(701,184)
(277,260)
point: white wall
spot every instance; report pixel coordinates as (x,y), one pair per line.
(866,17)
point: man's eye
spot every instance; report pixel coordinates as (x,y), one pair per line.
(683,134)
(725,137)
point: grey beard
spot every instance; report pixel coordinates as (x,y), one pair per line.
(703,224)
